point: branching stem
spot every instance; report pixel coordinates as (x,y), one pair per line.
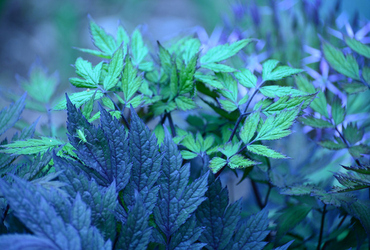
(120,110)
(321,227)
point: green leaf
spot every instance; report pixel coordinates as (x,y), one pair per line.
(319,104)
(265,151)
(79,98)
(352,133)
(272,73)
(186,83)
(31,146)
(228,105)
(231,86)
(95,53)
(191,144)
(287,102)
(337,111)
(239,161)
(101,39)
(246,78)
(230,149)
(357,46)
(88,108)
(80,83)
(139,50)
(131,83)
(298,190)
(250,127)
(185,103)
(290,217)
(359,150)
(243,100)
(191,48)
(277,127)
(209,79)
(122,37)
(360,209)
(354,87)
(135,102)
(223,52)
(315,122)
(165,59)
(344,65)
(366,74)
(84,69)
(218,67)
(159,133)
(9,116)
(332,145)
(40,85)
(187,155)
(161,107)
(114,70)
(216,164)
(278,91)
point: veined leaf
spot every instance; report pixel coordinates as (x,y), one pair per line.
(165,59)
(359,150)
(187,235)
(122,37)
(358,46)
(228,105)
(276,127)
(187,155)
(287,102)
(290,217)
(95,53)
(79,98)
(265,151)
(208,79)
(319,104)
(223,52)
(315,122)
(272,73)
(230,149)
(190,49)
(9,116)
(239,161)
(130,81)
(32,146)
(177,199)
(354,87)
(250,235)
(24,241)
(352,133)
(139,50)
(246,78)
(337,111)
(216,164)
(185,103)
(218,218)
(250,127)
(101,39)
(186,79)
(218,67)
(366,74)
(278,91)
(114,70)
(332,145)
(344,65)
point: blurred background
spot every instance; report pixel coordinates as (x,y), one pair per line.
(48,30)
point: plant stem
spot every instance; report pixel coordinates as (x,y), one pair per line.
(5,212)
(49,120)
(120,110)
(267,195)
(173,131)
(321,227)
(348,146)
(341,222)
(257,194)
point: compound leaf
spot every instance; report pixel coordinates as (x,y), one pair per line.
(9,116)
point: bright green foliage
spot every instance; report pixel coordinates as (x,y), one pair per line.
(354,87)
(319,104)
(246,78)
(80,98)
(32,146)
(357,46)
(85,70)
(271,72)
(102,40)
(130,82)
(139,50)
(250,127)
(338,112)
(196,146)
(216,164)
(344,65)
(352,133)
(278,91)
(265,151)
(114,70)
(315,122)
(223,52)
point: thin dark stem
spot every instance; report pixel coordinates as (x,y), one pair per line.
(173,131)
(348,146)
(6,212)
(321,228)
(120,110)
(115,240)
(163,119)
(267,195)
(341,222)
(257,194)
(242,115)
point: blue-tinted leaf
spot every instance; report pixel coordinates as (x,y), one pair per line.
(139,50)
(290,217)
(217,216)
(101,39)
(177,199)
(24,241)
(187,235)
(135,233)
(250,235)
